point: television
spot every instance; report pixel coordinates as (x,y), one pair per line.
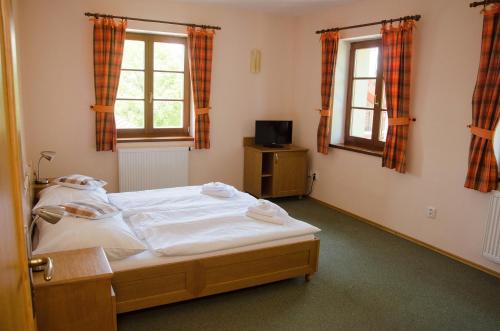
(273,133)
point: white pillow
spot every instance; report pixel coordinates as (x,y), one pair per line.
(57,195)
(80,182)
(90,209)
(69,233)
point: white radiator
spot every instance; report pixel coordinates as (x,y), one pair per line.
(491,248)
(151,168)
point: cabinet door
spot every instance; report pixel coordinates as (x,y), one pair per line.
(77,306)
(290,173)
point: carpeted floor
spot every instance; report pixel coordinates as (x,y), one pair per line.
(367,280)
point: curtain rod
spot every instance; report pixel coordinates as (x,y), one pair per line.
(404,18)
(97,15)
(483,3)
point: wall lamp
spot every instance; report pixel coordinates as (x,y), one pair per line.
(49,156)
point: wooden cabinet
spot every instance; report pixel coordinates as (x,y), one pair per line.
(275,172)
(79,296)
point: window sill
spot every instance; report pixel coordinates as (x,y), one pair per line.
(358,149)
(153,139)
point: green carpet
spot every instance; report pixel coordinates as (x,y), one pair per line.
(367,280)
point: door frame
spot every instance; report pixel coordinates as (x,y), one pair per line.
(17,314)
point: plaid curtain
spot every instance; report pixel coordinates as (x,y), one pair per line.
(396,67)
(200,64)
(109,38)
(482,174)
(329,47)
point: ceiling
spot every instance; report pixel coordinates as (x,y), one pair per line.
(289,7)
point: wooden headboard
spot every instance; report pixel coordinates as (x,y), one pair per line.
(28,180)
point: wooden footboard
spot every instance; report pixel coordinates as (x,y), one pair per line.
(157,285)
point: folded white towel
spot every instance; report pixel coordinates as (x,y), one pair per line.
(267,211)
(218,189)
(267,208)
(216,186)
(278,219)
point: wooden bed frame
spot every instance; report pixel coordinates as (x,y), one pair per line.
(173,282)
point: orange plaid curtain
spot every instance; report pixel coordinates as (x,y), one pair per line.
(200,64)
(329,47)
(109,38)
(482,174)
(396,67)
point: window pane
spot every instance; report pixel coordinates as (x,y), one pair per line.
(168,85)
(384,101)
(167,114)
(383,126)
(169,57)
(365,62)
(133,54)
(361,123)
(363,93)
(129,114)
(131,85)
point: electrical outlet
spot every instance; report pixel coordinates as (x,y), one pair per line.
(431,212)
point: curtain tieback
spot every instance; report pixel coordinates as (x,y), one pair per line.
(103,108)
(482,133)
(399,121)
(325,112)
(199,111)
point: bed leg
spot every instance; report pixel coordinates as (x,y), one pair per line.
(308,277)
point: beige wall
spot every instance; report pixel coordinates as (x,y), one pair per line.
(446,57)
(57,77)
(57,88)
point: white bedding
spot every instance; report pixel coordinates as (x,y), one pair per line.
(182,221)
(111,233)
(175,199)
(147,259)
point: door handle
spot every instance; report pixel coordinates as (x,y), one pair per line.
(276,157)
(42,263)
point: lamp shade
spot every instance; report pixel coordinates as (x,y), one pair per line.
(51,214)
(48,155)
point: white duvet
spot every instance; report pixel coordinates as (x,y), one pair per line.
(182,221)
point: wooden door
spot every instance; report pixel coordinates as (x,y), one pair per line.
(15,294)
(290,173)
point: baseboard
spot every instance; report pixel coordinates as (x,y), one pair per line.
(413,240)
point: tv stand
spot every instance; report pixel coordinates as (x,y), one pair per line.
(273,146)
(272,172)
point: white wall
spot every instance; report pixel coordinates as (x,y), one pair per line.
(58,87)
(446,57)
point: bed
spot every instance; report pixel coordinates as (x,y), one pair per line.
(188,266)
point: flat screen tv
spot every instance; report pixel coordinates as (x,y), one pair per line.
(273,133)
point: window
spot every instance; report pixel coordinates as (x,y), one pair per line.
(154,90)
(366,111)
